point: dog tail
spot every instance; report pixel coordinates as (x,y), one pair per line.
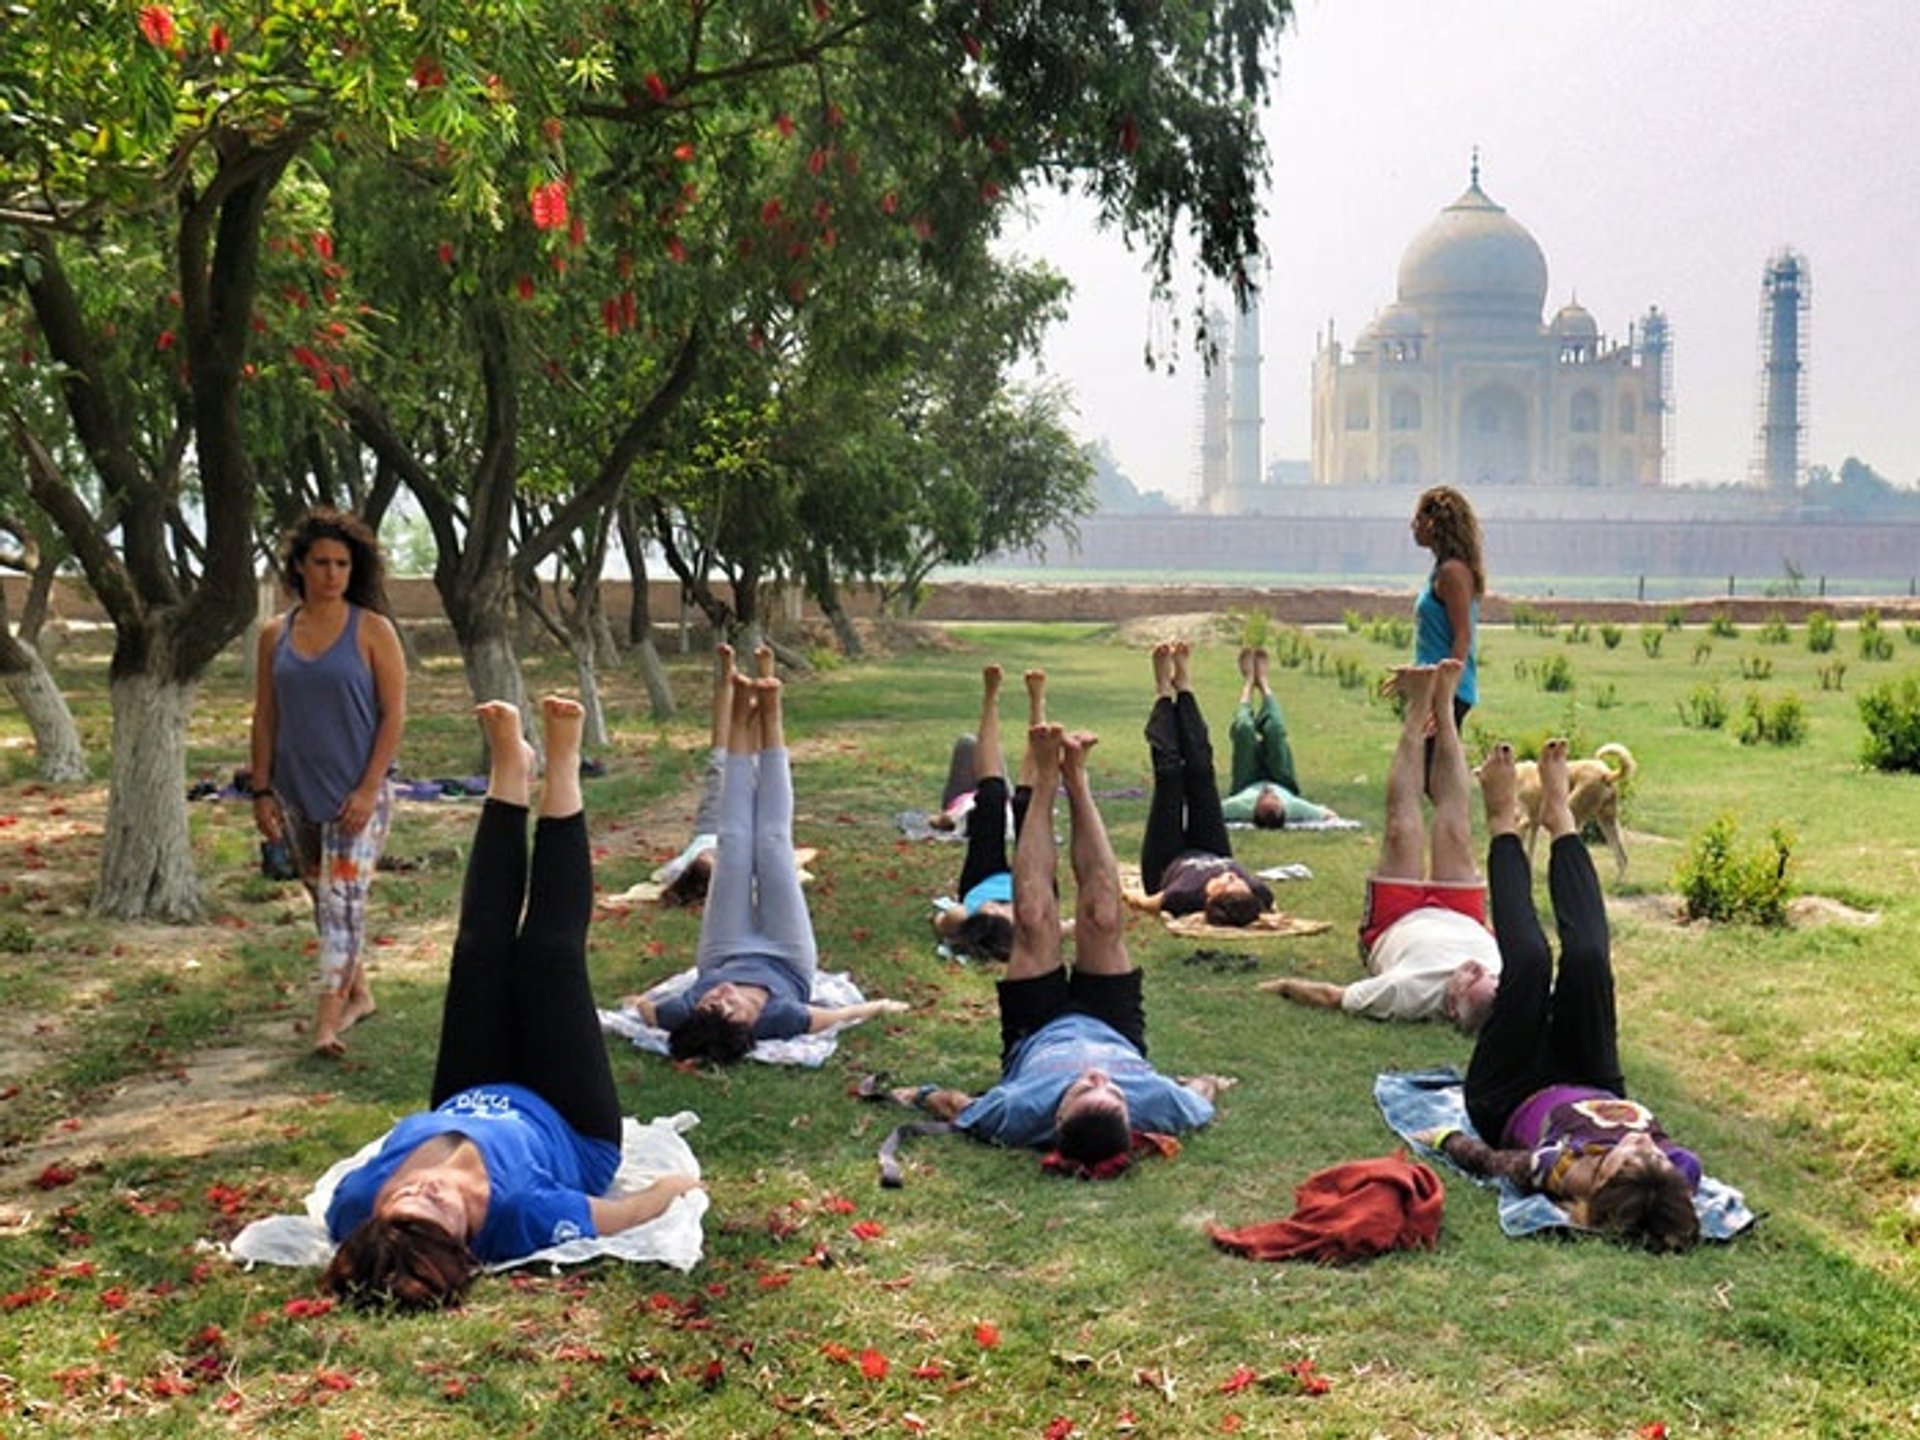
(1618,759)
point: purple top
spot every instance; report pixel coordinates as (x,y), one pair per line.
(1561,1123)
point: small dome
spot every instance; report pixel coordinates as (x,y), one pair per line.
(1399,322)
(1574,322)
(1474,256)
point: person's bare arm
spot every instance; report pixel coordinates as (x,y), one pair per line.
(825,1017)
(266,720)
(1208,1087)
(942,1102)
(388,661)
(613,1213)
(1140,900)
(642,1007)
(1320,994)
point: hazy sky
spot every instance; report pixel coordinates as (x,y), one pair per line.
(1659,150)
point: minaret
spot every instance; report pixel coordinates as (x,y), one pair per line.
(1213,429)
(1243,412)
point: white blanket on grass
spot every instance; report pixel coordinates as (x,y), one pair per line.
(831,989)
(647,1152)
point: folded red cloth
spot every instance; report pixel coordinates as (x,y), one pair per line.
(1351,1211)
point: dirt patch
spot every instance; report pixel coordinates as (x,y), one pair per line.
(1803,911)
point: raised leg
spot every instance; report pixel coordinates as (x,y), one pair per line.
(1036,908)
(784,928)
(1099,932)
(477,1038)
(1450,784)
(1403,837)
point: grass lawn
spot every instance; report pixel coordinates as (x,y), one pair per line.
(154,1086)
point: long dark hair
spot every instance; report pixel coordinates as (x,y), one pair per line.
(704,1035)
(367,582)
(1648,1205)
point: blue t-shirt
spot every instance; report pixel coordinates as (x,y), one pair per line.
(1019,1110)
(994,887)
(540,1172)
(1433,637)
(788,992)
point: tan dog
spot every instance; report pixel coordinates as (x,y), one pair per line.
(1594,795)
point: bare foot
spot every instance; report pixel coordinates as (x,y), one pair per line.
(562,721)
(510,758)
(743,736)
(722,661)
(763,661)
(990,676)
(327,1027)
(1498,786)
(1162,668)
(1036,697)
(1260,671)
(360,1006)
(1246,662)
(1414,684)
(1556,813)
(1181,652)
(1074,749)
(773,735)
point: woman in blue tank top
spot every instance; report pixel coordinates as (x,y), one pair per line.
(330,701)
(1447,613)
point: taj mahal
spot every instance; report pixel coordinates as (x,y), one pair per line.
(1461,381)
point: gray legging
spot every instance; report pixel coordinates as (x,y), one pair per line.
(754,902)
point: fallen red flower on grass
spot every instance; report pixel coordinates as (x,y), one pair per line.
(1239,1380)
(867,1229)
(54,1176)
(873,1364)
(986,1334)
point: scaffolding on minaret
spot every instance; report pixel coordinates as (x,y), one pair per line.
(1786,306)
(1653,344)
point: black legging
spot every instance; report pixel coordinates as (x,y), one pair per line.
(1184,813)
(519,1007)
(987,838)
(1544,1031)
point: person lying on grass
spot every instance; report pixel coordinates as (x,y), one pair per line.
(687,875)
(757,957)
(1074,1075)
(1262,788)
(1545,1077)
(1423,934)
(982,924)
(1186,859)
(524,1133)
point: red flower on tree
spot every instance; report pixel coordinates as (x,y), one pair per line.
(156,26)
(548,204)
(657,88)
(217,39)
(427,74)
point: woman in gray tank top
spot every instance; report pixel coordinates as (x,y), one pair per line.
(330,702)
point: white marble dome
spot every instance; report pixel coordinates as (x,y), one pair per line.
(1574,321)
(1474,256)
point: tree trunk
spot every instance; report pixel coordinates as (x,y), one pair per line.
(588,680)
(646,654)
(146,862)
(653,674)
(58,756)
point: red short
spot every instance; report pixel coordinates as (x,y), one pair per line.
(1390,900)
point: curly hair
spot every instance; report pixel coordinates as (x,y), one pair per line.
(1646,1204)
(402,1265)
(704,1035)
(1456,531)
(367,579)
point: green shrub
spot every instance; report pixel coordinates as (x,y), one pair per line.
(1606,697)
(1705,708)
(1290,647)
(16,937)
(1650,639)
(1254,627)
(1702,652)
(1577,633)
(1833,675)
(1875,643)
(1351,673)
(1775,631)
(1721,626)
(1755,667)
(1393,631)
(1821,632)
(1555,674)
(1891,713)
(1521,615)
(1351,619)
(1674,616)
(1720,881)
(1784,722)
(1610,635)
(1911,629)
